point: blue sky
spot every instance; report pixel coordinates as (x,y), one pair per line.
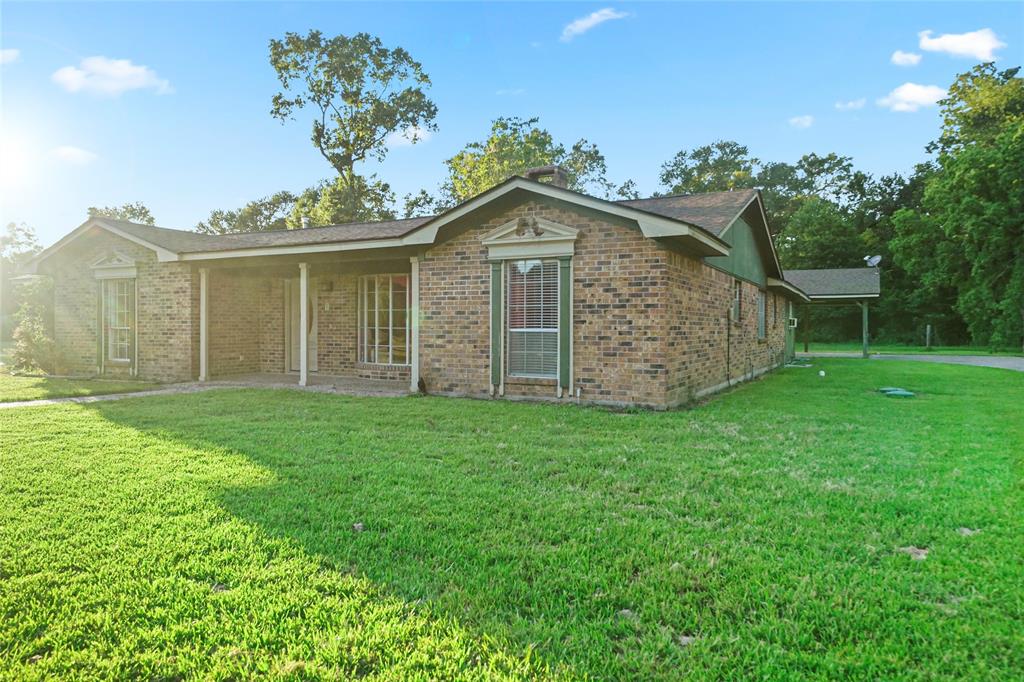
(185,126)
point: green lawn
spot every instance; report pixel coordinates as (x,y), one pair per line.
(896,349)
(211,535)
(14,388)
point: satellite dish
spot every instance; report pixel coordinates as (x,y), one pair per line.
(872,261)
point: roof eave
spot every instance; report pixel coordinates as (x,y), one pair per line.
(163,254)
(789,288)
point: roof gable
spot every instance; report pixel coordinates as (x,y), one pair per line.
(713,211)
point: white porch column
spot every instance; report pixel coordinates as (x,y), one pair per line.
(303,323)
(204,323)
(414,336)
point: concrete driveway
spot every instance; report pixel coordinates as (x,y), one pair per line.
(998,361)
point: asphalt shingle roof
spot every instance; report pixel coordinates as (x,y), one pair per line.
(181,241)
(836,281)
(713,211)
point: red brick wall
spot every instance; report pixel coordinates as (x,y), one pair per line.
(618,307)
(234,316)
(706,350)
(164,325)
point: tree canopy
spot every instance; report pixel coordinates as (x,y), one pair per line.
(968,233)
(135,212)
(261,215)
(513,146)
(360,92)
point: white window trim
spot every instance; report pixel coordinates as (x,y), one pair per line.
(114,266)
(362,319)
(508,329)
(129,284)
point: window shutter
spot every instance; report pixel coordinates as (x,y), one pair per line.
(132,325)
(564,322)
(496,327)
(100,319)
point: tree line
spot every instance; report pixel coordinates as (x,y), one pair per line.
(949,232)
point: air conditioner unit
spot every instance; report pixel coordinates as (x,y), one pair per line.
(792,323)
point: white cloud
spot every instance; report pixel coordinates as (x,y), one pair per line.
(911,97)
(105,76)
(510,92)
(980,45)
(901,58)
(850,105)
(76,156)
(805,121)
(409,136)
(9,55)
(580,26)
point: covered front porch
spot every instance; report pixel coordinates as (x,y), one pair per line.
(348,324)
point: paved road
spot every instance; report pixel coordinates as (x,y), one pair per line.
(999,361)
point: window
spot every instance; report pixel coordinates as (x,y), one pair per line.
(761,309)
(119,311)
(737,297)
(532,318)
(383,303)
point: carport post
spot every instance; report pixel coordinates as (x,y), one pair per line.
(303,323)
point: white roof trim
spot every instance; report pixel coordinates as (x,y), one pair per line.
(651,226)
(162,254)
(814,297)
(530,237)
(787,286)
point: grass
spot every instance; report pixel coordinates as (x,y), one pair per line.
(15,388)
(211,535)
(897,349)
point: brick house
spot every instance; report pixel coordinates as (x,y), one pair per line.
(528,290)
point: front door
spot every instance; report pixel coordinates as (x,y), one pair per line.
(293,312)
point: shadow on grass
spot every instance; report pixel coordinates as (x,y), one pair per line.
(461,509)
(18,387)
(761,525)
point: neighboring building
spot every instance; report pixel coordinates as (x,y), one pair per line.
(528,290)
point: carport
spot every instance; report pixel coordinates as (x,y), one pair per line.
(840,286)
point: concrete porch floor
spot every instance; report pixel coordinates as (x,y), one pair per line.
(324,383)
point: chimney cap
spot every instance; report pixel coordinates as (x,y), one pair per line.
(305,221)
(559,176)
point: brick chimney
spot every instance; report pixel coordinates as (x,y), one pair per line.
(558,176)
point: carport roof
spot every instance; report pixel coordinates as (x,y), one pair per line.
(836,283)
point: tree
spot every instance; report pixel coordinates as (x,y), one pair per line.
(361,91)
(135,212)
(513,146)
(720,166)
(261,215)
(820,235)
(337,201)
(978,104)
(17,244)
(726,165)
(968,234)
(33,347)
